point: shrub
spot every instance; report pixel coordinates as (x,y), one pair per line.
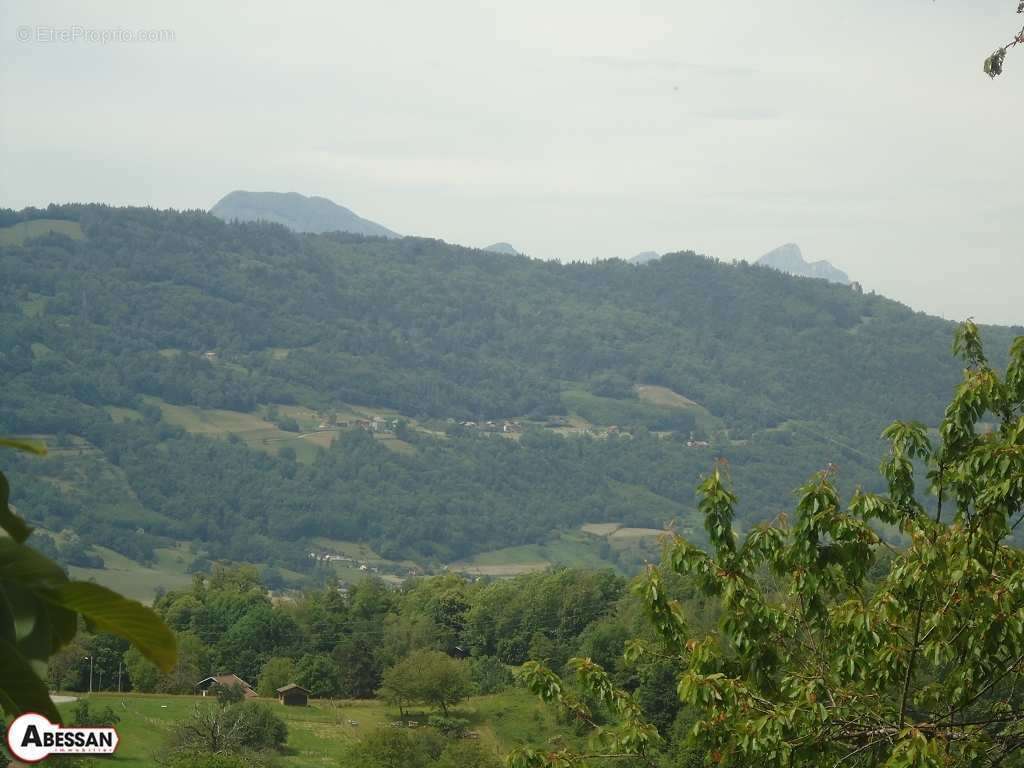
(229,694)
(245,727)
(386,748)
(452,727)
(489,675)
(84,716)
(467,754)
(257,726)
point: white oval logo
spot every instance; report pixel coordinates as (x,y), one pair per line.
(32,738)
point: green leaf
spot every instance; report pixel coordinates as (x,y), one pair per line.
(10,522)
(37,447)
(26,567)
(110,612)
(21,690)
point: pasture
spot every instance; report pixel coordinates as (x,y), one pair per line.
(17,234)
(318,735)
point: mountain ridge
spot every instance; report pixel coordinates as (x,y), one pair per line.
(297,212)
(133,341)
(789,259)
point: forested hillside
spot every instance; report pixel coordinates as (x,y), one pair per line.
(109,332)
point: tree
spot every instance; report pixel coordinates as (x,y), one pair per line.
(994,63)
(317,673)
(181,678)
(815,664)
(443,681)
(40,608)
(144,674)
(276,673)
(429,677)
(358,669)
(398,687)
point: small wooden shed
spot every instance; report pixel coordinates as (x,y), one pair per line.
(293,695)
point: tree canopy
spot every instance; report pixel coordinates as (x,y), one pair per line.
(818,662)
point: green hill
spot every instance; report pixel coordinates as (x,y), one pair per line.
(196,361)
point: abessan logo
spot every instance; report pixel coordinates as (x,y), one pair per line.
(32,738)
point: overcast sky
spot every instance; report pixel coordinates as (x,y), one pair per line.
(862,130)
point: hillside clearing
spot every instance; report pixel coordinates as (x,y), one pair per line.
(636,533)
(17,234)
(600,529)
(663,396)
(135,580)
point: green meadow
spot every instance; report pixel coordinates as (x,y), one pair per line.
(17,234)
(318,735)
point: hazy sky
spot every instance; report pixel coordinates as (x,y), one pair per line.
(863,130)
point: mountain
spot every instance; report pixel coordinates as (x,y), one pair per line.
(505,248)
(242,391)
(644,257)
(297,212)
(788,258)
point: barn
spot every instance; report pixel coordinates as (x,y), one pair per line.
(293,695)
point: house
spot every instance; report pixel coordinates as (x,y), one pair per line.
(293,695)
(208,684)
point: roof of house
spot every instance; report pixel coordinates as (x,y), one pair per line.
(224,680)
(291,687)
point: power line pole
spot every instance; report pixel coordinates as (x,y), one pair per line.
(91,659)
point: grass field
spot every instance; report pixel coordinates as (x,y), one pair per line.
(135,580)
(663,396)
(635,533)
(252,428)
(654,406)
(569,548)
(33,306)
(121,415)
(264,435)
(667,398)
(600,529)
(318,735)
(17,234)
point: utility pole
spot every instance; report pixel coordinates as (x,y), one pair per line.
(90,658)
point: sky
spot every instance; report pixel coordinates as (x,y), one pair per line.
(864,131)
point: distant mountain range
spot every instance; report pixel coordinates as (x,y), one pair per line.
(136,338)
(644,256)
(788,258)
(297,212)
(503,247)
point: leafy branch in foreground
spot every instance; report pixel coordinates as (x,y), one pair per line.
(814,663)
(39,610)
(994,63)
